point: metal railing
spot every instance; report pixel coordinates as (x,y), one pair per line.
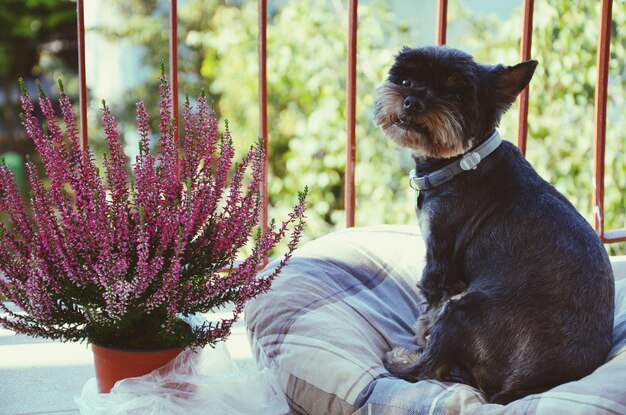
(604,38)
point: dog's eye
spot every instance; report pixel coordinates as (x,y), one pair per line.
(407,82)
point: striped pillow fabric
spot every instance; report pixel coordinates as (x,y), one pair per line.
(349,297)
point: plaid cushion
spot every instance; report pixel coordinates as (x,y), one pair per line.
(347,298)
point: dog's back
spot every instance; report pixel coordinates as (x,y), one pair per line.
(542,312)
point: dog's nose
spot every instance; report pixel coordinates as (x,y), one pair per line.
(412,102)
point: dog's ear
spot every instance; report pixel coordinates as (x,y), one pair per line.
(511,80)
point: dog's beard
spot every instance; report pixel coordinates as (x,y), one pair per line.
(431,133)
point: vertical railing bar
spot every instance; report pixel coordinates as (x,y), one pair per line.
(602,77)
(442,22)
(349,186)
(82,75)
(262,51)
(173,26)
(525,48)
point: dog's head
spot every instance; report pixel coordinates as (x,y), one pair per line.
(439,102)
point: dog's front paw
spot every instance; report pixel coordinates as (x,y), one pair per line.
(425,322)
(399,359)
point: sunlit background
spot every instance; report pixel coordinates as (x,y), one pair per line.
(126,40)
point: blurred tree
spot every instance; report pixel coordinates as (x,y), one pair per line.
(145,24)
(306,86)
(306,99)
(36,36)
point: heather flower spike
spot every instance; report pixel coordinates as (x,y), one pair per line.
(115,259)
(20,82)
(40,89)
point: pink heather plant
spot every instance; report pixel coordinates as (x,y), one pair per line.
(117,261)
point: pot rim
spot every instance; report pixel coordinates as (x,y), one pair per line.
(129,350)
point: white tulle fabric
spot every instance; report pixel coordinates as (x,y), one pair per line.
(201,382)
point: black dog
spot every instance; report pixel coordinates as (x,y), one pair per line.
(520,290)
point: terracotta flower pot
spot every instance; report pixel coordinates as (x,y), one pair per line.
(117,364)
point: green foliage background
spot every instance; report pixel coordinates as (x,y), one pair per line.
(306,98)
(306,86)
(306,94)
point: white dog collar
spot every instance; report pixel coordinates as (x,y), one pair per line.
(469,161)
